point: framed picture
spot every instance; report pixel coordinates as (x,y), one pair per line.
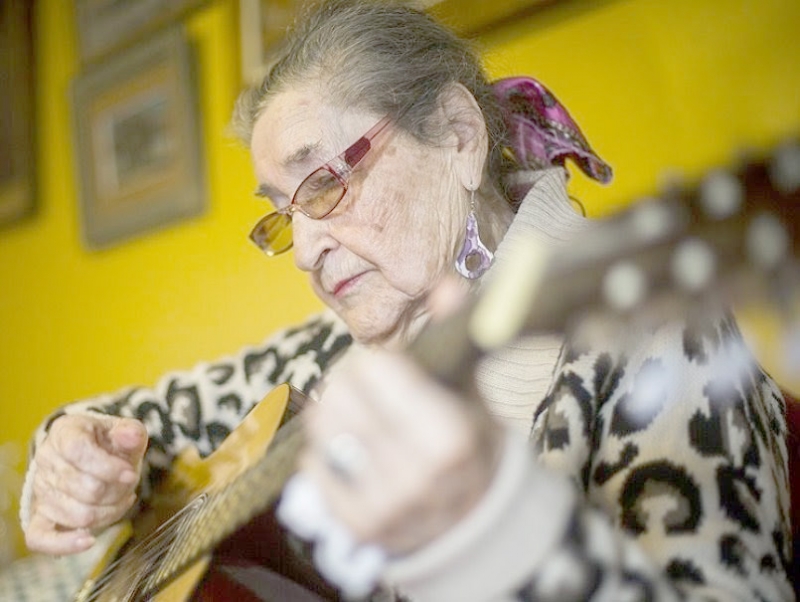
(106,25)
(476,17)
(17,126)
(262,24)
(138,141)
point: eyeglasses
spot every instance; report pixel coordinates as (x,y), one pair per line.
(315,197)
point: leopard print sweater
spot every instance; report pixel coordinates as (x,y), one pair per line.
(680,490)
(656,469)
(201,406)
(677,447)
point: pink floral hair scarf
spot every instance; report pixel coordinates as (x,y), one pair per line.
(541,131)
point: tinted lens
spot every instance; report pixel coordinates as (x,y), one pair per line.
(318,194)
(273,234)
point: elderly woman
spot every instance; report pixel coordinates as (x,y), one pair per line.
(625,472)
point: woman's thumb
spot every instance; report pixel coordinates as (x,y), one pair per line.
(127,438)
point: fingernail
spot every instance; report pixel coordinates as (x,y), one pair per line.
(85,541)
(128,476)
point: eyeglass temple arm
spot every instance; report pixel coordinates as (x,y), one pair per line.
(356,152)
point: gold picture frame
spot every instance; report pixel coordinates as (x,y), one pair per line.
(104,26)
(474,18)
(263,23)
(138,141)
(17,115)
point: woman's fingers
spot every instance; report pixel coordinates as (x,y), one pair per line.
(108,485)
(421,457)
(87,472)
(70,514)
(42,535)
(104,447)
(125,438)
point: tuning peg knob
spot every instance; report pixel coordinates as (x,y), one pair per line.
(721,194)
(784,169)
(624,286)
(651,220)
(791,348)
(767,241)
(693,265)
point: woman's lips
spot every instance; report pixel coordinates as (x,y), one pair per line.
(345,285)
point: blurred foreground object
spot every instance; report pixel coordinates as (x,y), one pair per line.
(729,239)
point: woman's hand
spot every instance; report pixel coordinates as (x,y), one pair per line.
(398,458)
(87,471)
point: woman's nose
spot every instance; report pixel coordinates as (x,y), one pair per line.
(311,240)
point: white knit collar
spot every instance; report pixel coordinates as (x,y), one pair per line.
(545,215)
(546,211)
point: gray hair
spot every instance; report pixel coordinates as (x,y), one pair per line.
(384,57)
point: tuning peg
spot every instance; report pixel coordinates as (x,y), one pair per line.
(721,194)
(767,241)
(652,219)
(624,286)
(693,265)
(791,348)
(784,170)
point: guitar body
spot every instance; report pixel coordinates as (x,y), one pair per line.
(114,578)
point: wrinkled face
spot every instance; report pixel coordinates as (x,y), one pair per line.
(392,237)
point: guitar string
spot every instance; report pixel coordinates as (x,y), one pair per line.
(155,546)
(171,535)
(150,547)
(153,551)
(130,568)
(235,504)
(158,552)
(137,576)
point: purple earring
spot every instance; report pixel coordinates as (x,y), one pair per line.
(474,258)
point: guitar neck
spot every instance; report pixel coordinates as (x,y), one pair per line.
(730,238)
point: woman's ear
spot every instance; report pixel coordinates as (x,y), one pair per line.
(467,127)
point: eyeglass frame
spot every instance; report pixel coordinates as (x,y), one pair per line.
(340,167)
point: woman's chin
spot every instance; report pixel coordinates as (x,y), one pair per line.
(385,332)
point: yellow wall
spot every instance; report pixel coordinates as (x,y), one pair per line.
(73,322)
(652,83)
(664,89)
(657,86)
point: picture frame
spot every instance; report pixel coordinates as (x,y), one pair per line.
(17,113)
(474,18)
(104,26)
(138,141)
(263,23)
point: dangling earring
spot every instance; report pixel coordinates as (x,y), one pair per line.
(474,258)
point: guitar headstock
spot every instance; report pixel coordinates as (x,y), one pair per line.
(729,238)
